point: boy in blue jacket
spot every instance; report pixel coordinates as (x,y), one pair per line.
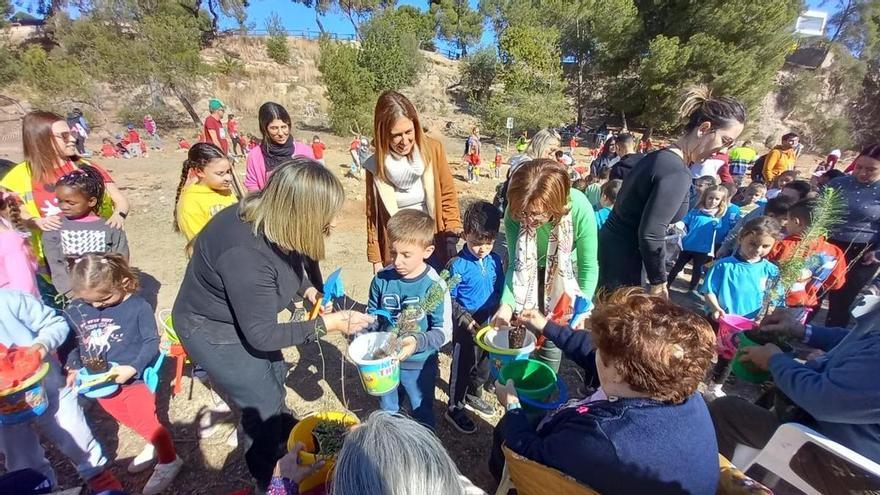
(425,325)
(26,322)
(474,300)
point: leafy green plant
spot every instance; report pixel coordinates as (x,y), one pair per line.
(389,53)
(276,43)
(348,86)
(230,67)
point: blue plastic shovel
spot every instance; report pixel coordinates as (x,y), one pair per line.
(581,306)
(151,374)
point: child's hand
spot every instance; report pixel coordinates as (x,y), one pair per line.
(41,350)
(51,222)
(472,327)
(124,373)
(70,381)
(717,314)
(407,348)
(502,316)
(534,320)
(506,393)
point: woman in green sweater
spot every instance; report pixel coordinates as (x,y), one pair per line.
(552,239)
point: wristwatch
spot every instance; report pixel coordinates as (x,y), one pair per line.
(123,214)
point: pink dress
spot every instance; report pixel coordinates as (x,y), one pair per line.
(18,267)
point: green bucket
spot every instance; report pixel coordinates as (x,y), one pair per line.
(747,371)
(532,378)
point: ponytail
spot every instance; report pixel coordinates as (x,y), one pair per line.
(700,106)
(10,201)
(198,156)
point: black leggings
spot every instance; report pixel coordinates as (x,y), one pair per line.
(698,260)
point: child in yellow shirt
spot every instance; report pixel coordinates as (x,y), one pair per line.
(195,204)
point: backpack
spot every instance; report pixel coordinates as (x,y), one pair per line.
(758,169)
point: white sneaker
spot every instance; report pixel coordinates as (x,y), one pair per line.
(163,475)
(143,460)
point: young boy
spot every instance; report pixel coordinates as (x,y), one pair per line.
(318,148)
(474,300)
(825,268)
(606,201)
(473,160)
(405,285)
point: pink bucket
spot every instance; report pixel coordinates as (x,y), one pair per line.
(728,326)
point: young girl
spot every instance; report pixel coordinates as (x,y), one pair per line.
(780,182)
(497,163)
(108,149)
(18,266)
(82,231)
(196,203)
(29,323)
(751,197)
(701,224)
(736,285)
(107,316)
(473,160)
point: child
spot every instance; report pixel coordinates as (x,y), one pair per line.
(609,196)
(825,268)
(403,285)
(29,323)
(752,197)
(232,131)
(122,147)
(82,231)
(318,148)
(702,224)
(474,300)
(736,285)
(473,168)
(183,144)
(253,142)
(780,182)
(195,204)
(111,319)
(700,186)
(497,163)
(108,149)
(18,266)
(133,142)
(593,192)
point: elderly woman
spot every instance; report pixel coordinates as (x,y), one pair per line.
(248,264)
(385,455)
(551,234)
(648,430)
(50,153)
(277,146)
(857,235)
(656,193)
(408,171)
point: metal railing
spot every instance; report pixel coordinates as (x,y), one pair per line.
(306,34)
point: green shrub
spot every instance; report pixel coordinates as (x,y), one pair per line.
(349,87)
(389,53)
(276,44)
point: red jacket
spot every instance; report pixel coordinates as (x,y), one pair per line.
(825,270)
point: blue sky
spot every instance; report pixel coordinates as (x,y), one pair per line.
(298,17)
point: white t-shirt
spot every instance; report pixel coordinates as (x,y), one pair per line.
(709,166)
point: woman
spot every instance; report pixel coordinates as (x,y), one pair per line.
(50,153)
(248,263)
(408,170)
(551,234)
(647,430)
(276,147)
(655,194)
(857,235)
(607,159)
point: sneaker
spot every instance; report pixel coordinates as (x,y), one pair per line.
(479,406)
(143,460)
(104,482)
(163,475)
(460,420)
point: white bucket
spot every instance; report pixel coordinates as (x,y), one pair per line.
(379,376)
(499,339)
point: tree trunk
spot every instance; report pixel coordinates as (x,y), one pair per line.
(623,117)
(186,104)
(318,22)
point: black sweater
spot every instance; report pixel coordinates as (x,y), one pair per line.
(654,195)
(240,282)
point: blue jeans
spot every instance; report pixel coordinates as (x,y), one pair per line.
(418,386)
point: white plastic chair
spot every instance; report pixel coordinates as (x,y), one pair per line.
(776,459)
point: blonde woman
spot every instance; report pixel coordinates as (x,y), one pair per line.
(248,263)
(408,171)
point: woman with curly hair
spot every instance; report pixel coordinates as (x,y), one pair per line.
(646,430)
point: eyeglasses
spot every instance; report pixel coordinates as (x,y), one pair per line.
(726,141)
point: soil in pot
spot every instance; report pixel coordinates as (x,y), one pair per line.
(516,336)
(96,364)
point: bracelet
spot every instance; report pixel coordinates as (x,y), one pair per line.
(513,405)
(122,214)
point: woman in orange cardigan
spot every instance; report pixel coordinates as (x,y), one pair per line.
(408,171)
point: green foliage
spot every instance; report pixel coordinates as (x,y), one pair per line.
(389,53)
(478,73)
(9,66)
(349,87)
(55,77)
(230,67)
(458,23)
(414,20)
(276,43)
(529,109)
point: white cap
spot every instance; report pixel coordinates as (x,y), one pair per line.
(835,153)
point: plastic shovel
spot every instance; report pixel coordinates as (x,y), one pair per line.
(582,306)
(151,374)
(333,289)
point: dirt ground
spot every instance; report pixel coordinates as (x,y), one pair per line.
(319,379)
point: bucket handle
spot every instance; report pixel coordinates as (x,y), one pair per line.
(481,342)
(549,406)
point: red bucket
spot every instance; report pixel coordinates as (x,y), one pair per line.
(728,326)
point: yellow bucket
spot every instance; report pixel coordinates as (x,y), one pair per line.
(302,432)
